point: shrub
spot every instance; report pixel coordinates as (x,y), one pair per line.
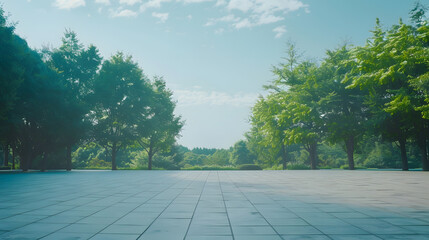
(208,167)
(297,166)
(249,167)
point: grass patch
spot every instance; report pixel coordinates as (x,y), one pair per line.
(209,167)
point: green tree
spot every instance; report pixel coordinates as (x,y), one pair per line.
(76,67)
(343,110)
(240,154)
(121,102)
(385,66)
(159,131)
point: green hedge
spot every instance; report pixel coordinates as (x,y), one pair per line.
(249,167)
(209,167)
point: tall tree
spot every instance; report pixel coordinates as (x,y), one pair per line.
(385,66)
(159,130)
(121,103)
(343,110)
(76,67)
(240,154)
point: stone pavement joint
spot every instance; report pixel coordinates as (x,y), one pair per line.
(215,205)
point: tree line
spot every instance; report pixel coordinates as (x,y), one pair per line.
(54,100)
(355,95)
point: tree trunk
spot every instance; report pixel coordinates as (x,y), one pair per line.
(68,158)
(6,155)
(13,157)
(114,151)
(149,162)
(25,159)
(43,165)
(313,155)
(350,147)
(402,141)
(421,142)
(284,156)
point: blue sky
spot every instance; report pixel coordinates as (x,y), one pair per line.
(214,54)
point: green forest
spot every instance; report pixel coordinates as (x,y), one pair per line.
(361,107)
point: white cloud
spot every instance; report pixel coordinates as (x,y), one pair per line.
(242,5)
(194,1)
(220,3)
(219,31)
(123,13)
(279,31)
(129,2)
(261,12)
(189,17)
(161,16)
(266,19)
(227,18)
(245,23)
(105,2)
(69,4)
(152,4)
(186,98)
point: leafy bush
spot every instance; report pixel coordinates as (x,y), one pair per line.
(275,167)
(97,163)
(297,166)
(249,167)
(208,167)
(346,166)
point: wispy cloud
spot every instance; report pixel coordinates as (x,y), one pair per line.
(227,18)
(123,13)
(152,4)
(194,1)
(194,97)
(219,31)
(252,13)
(129,2)
(69,4)
(105,2)
(279,31)
(161,16)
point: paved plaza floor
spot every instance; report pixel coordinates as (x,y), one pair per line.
(215,205)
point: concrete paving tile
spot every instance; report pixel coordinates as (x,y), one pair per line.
(41,227)
(125,229)
(259,237)
(60,219)
(102,236)
(209,238)
(295,230)
(305,237)
(17,235)
(354,237)
(8,226)
(208,230)
(83,228)
(253,230)
(418,229)
(405,221)
(96,220)
(342,229)
(67,236)
(367,205)
(405,237)
(287,221)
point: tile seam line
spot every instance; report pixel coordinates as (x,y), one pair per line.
(266,219)
(195,209)
(56,214)
(224,204)
(167,206)
(80,218)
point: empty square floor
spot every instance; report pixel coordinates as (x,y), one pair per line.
(215,205)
